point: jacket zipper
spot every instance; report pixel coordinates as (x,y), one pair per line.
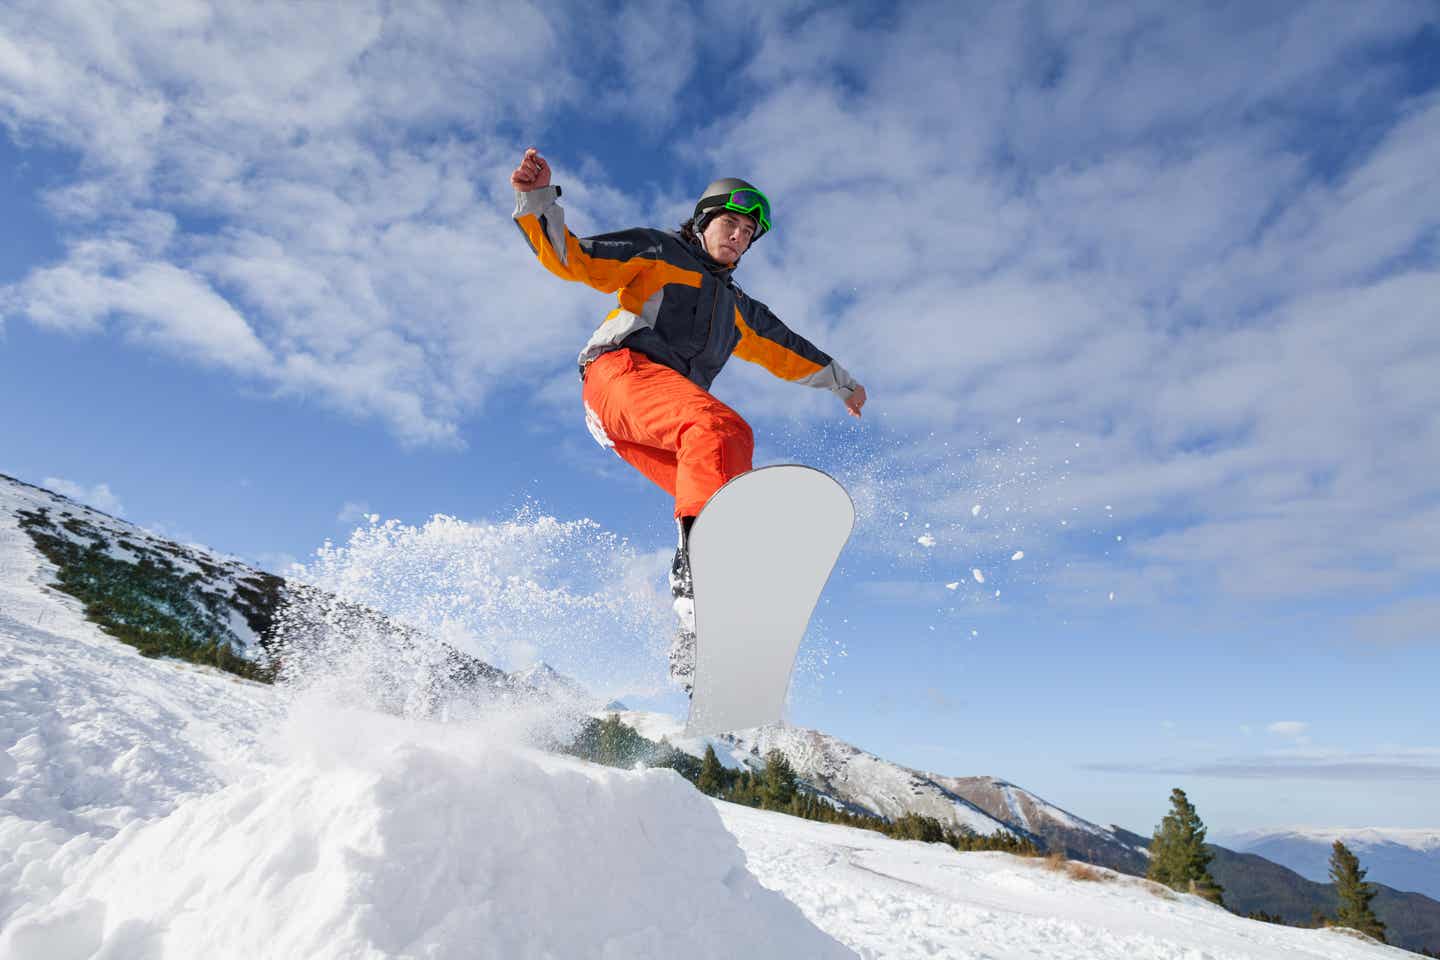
(709,327)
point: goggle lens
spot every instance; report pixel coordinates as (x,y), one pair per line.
(751,202)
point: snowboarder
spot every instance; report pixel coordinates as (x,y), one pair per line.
(647,370)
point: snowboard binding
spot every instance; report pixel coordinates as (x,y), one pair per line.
(682,598)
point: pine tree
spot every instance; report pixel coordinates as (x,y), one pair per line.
(1178,857)
(712,775)
(778,787)
(1355,894)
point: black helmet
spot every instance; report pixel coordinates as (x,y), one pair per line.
(732,193)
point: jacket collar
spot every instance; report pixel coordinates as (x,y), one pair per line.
(711,264)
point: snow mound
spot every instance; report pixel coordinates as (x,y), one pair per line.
(374,836)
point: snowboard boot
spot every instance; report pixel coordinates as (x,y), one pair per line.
(682,597)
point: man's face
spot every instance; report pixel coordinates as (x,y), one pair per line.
(728,235)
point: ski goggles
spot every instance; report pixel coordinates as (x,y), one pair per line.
(748,201)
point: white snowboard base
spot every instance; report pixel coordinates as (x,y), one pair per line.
(760,553)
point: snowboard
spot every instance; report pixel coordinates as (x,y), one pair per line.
(760,553)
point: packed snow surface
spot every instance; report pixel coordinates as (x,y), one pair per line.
(374,836)
(155,810)
(905,899)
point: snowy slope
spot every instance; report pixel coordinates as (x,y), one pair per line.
(1403,859)
(905,899)
(240,594)
(153,809)
(94,737)
(372,836)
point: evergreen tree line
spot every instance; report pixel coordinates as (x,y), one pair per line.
(149,604)
(1179,860)
(778,788)
(613,743)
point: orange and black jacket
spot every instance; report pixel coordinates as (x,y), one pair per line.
(678,306)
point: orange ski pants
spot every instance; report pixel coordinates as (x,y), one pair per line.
(668,428)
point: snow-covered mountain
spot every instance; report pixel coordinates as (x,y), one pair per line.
(1403,859)
(189,602)
(1061,830)
(161,809)
(853,778)
(546,680)
(166,587)
(869,784)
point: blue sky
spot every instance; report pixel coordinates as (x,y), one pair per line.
(1156,292)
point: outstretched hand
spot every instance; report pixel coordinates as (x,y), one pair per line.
(855,401)
(532,174)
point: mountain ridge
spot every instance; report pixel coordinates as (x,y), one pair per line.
(1405,859)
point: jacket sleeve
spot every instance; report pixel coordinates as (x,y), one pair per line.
(606,262)
(782,351)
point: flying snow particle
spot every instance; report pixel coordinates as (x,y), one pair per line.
(953,586)
(1018,555)
(979,577)
(926,540)
(1112,594)
(975,510)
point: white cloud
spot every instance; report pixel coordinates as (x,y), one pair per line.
(99,496)
(290,193)
(353,513)
(1415,765)
(1110,226)
(1288,728)
(171,309)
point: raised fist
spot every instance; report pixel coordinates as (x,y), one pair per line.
(532,174)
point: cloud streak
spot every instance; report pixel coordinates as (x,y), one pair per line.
(1412,766)
(100,496)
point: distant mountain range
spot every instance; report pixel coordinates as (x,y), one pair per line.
(1403,859)
(1254,883)
(147,590)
